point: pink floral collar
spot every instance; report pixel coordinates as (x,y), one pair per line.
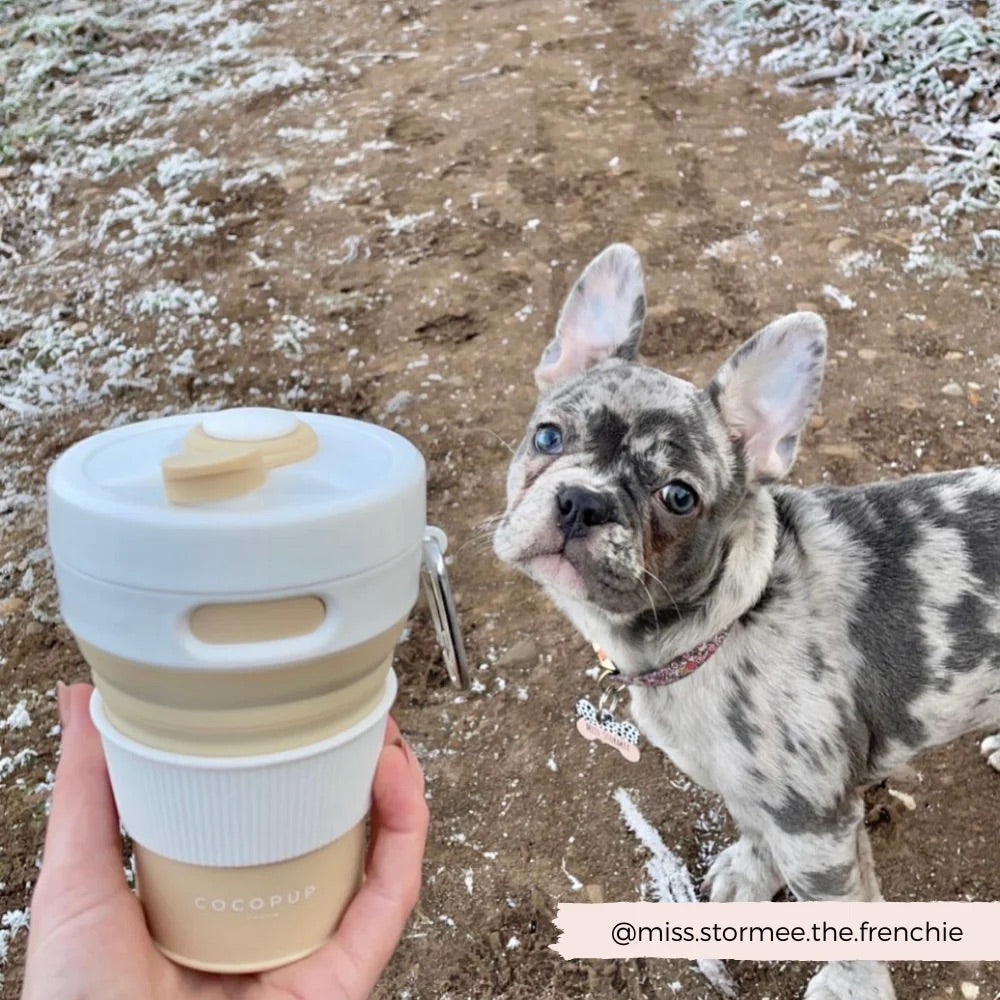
(677,669)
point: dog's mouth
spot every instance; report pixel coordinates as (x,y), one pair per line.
(569,566)
(572,571)
(555,569)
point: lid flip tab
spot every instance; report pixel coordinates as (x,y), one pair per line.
(228,454)
(193,478)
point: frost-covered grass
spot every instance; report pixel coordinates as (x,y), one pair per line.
(91,92)
(11,923)
(926,71)
(66,83)
(95,94)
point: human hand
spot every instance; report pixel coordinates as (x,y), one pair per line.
(88,938)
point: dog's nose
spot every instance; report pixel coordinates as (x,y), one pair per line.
(580,509)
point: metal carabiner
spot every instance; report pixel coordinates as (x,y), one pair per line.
(441,601)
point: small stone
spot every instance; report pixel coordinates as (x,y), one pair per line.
(11,606)
(399,402)
(969,991)
(908,801)
(954,356)
(524,651)
(294,183)
(952,389)
(848,451)
(80,327)
(34,628)
(867,354)
(839,245)
(817,422)
(911,402)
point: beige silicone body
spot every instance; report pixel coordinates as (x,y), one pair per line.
(253,918)
(231,712)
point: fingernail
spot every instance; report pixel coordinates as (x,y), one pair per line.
(63,701)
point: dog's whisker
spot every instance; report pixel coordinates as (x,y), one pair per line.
(489,522)
(481,538)
(664,588)
(652,603)
(489,430)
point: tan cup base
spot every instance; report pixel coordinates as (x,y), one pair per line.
(240,920)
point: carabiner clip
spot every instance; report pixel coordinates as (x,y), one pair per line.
(441,601)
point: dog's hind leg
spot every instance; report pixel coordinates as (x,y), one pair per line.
(851,981)
(866,860)
(824,854)
(990,749)
(855,980)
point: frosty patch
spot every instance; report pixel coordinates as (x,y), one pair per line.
(599,723)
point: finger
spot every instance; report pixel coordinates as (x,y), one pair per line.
(392,734)
(393,737)
(370,929)
(82,841)
(392,880)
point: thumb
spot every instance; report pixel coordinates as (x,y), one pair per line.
(352,960)
(82,844)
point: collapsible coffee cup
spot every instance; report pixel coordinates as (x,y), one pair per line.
(237,582)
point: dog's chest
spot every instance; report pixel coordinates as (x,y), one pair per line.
(687,722)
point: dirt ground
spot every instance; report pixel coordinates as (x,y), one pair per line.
(516,142)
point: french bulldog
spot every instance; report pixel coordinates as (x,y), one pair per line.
(849,628)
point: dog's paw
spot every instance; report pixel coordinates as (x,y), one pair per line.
(742,873)
(990,749)
(851,981)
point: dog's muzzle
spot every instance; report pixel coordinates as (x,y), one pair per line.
(579,509)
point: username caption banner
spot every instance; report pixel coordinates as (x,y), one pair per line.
(806,932)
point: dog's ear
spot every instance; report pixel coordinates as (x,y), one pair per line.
(767,389)
(601,317)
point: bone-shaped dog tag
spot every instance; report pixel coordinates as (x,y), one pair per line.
(599,724)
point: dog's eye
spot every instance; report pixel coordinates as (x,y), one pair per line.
(548,439)
(678,497)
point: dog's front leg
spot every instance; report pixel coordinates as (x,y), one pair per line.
(744,872)
(832,860)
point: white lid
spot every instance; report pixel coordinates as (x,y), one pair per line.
(357,502)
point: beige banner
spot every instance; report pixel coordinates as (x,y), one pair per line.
(798,932)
